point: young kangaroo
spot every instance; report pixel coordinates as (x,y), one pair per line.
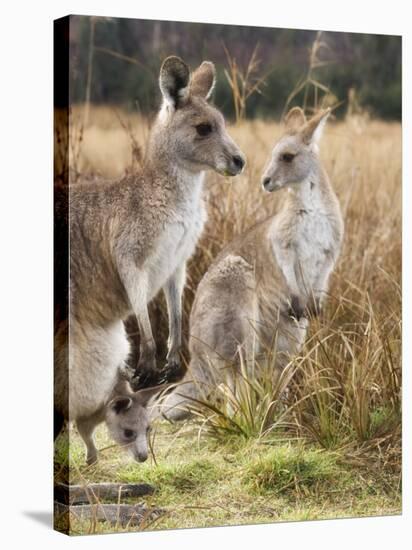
(131,238)
(269,281)
(127,420)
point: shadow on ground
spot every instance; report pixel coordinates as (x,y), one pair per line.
(44,518)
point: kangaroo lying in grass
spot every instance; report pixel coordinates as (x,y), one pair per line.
(263,287)
(128,240)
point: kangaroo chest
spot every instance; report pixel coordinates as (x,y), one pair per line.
(176,242)
(314,246)
(305,246)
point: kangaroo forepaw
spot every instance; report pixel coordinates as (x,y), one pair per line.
(146,373)
(173,371)
(296,309)
(144,378)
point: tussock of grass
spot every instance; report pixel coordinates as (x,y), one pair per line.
(190,477)
(291,468)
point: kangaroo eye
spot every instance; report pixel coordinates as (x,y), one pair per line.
(204,129)
(129,434)
(287,157)
(148,429)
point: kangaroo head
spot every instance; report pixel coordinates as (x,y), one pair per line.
(295,156)
(127,418)
(192,130)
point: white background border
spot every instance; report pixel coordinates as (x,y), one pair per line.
(26,267)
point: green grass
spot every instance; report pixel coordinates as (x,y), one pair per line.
(289,468)
(201,482)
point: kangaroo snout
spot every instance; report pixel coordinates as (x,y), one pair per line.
(268,184)
(235,164)
(238,163)
(141,456)
(140,451)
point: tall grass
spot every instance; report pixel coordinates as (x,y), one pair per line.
(313,93)
(345,391)
(342,391)
(243,83)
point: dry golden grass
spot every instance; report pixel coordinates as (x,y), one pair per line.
(363,159)
(346,392)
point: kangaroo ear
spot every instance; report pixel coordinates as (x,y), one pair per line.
(174,81)
(146,394)
(312,131)
(203,80)
(120,404)
(295,119)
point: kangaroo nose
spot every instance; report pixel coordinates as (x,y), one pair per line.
(238,161)
(266,182)
(142,457)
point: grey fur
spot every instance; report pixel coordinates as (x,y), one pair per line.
(127,420)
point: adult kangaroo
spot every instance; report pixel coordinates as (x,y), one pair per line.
(265,285)
(133,237)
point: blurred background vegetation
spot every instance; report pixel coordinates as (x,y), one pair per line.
(116,61)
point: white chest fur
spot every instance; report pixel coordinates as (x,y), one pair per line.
(305,242)
(314,247)
(178,239)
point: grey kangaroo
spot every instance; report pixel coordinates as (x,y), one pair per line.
(131,238)
(127,420)
(265,285)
